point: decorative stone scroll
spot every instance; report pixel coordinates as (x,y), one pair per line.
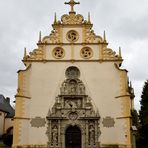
(54,36)
(109,54)
(36,54)
(72,18)
(73,107)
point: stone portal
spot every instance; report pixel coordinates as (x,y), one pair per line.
(73,122)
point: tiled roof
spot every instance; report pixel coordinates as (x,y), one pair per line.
(6,107)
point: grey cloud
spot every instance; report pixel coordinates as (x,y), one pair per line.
(133,29)
(125,26)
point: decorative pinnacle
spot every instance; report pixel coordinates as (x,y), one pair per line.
(89,18)
(72,3)
(104,37)
(120,55)
(25,53)
(130,84)
(55,18)
(40,37)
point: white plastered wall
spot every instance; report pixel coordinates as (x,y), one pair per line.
(102,82)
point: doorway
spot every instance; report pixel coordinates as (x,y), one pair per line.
(73,137)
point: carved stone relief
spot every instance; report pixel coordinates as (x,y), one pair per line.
(54,135)
(55,36)
(72,19)
(73,108)
(109,54)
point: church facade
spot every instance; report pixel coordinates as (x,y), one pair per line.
(73,92)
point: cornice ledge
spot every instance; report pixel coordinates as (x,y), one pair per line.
(122,96)
(123,117)
(118,68)
(73,60)
(21,96)
(28,67)
(24,118)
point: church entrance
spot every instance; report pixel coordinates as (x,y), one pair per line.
(72,121)
(73,137)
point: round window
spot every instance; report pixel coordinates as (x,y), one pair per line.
(72,36)
(86,52)
(58,52)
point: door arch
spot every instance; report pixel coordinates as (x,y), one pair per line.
(73,137)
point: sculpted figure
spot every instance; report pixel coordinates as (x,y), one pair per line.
(55,135)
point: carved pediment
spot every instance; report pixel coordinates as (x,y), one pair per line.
(72,18)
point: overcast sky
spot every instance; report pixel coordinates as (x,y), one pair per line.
(125,23)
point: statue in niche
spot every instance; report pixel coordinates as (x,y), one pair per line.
(91,134)
(79,103)
(62,89)
(55,135)
(72,88)
(81,89)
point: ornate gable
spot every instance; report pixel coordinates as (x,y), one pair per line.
(71,30)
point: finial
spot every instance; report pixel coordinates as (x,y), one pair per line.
(130,84)
(72,3)
(104,37)
(89,22)
(120,55)
(25,53)
(97,113)
(55,18)
(40,37)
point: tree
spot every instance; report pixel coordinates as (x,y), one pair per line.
(135,119)
(143,117)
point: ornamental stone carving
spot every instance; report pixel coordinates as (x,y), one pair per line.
(73,107)
(72,18)
(109,54)
(36,54)
(55,36)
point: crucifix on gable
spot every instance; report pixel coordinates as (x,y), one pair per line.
(72,3)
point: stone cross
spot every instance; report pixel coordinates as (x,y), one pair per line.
(72,3)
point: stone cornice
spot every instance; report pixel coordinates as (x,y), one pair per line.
(100,61)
